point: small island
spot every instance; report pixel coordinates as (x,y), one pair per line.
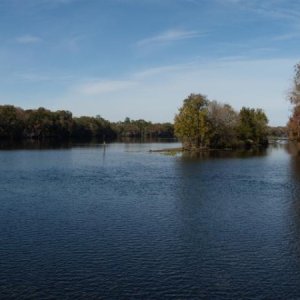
(202,124)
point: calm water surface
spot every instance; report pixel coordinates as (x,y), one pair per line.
(94,222)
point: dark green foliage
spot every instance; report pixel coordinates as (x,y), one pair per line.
(252,126)
(88,127)
(11,122)
(143,129)
(16,123)
(41,123)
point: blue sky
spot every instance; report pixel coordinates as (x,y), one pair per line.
(141,58)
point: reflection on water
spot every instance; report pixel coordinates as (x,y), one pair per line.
(235,214)
(117,221)
(212,154)
(33,144)
(294,189)
(148,140)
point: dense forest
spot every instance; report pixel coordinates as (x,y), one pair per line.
(17,123)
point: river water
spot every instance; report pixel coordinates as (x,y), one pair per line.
(119,222)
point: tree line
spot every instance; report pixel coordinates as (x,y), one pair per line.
(17,123)
(202,123)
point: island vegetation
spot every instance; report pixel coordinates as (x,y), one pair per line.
(205,124)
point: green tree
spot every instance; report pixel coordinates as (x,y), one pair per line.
(191,123)
(252,126)
(87,127)
(11,121)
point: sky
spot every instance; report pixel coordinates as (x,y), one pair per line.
(141,58)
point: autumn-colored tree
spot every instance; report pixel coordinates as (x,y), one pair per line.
(223,121)
(191,123)
(294,125)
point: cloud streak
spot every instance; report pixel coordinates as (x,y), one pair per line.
(287,36)
(169,36)
(28,39)
(99,87)
(31,77)
(277,9)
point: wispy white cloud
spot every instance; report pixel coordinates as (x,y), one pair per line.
(286,36)
(73,43)
(272,8)
(32,77)
(169,36)
(70,43)
(97,87)
(28,39)
(233,58)
(160,70)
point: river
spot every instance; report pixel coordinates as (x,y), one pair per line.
(118,222)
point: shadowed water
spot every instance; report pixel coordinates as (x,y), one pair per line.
(120,222)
